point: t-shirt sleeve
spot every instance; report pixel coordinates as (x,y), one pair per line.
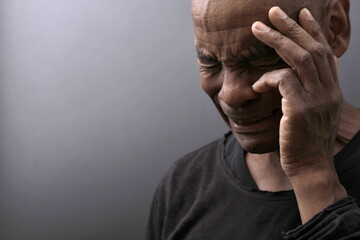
(339,221)
(156,218)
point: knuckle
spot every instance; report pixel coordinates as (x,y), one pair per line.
(329,49)
(304,59)
(278,40)
(318,51)
(315,29)
(288,73)
(292,27)
(283,83)
(329,52)
(288,79)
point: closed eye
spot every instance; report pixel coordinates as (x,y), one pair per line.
(271,63)
(205,59)
(208,64)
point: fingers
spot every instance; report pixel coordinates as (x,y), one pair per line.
(311,40)
(311,26)
(304,47)
(294,55)
(284,79)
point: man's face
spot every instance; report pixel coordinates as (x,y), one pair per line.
(231,60)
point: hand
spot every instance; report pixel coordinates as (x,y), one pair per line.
(311,106)
(312,99)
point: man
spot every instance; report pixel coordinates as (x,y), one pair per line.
(290,168)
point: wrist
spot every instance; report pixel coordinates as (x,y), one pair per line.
(324,182)
(304,166)
(316,190)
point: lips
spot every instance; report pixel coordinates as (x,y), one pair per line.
(255,124)
(252,119)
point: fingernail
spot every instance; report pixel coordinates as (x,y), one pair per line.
(307,13)
(280,13)
(261,27)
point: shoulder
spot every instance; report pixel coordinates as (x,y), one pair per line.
(197,161)
(192,170)
(199,156)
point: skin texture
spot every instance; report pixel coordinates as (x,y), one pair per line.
(273,78)
(223,34)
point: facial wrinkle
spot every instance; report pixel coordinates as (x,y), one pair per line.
(201,11)
(214,16)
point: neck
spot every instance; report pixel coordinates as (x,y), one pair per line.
(267,173)
(266,170)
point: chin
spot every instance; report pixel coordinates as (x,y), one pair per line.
(258,143)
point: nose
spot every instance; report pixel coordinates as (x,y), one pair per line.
(236,90)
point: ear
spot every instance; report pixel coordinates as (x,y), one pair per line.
(339,26)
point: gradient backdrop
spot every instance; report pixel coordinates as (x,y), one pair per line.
(97,99)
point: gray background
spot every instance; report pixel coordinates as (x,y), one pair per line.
(97,99)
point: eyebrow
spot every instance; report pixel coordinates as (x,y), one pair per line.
(263,53)
(204,57)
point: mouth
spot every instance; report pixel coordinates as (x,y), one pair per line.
(254,124)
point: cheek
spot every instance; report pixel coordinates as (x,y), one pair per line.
(211,84)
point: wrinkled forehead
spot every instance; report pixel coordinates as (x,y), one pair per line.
(214,15)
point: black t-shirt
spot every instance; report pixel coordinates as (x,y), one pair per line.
(210,195)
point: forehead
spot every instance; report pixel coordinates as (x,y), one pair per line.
(242,12)
(214,15)
(227,23)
